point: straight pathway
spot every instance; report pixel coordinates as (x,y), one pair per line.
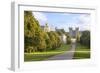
(65,56)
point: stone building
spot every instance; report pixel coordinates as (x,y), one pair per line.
(74,33)
(46,28)
(63,37)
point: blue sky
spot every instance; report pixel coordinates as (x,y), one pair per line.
(64,20)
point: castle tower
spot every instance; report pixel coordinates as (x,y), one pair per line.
(74,33)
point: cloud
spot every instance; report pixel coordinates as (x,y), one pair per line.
(84,21)
(40,17)
(77,20)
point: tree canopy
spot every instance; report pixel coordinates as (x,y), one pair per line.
(35,38)
(85,38)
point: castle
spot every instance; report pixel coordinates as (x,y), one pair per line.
(72,33)
(63,37)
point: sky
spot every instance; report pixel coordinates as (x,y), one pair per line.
(64,20)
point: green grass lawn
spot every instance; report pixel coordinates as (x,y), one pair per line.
(81,52)
(38,56)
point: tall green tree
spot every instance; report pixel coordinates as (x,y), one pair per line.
(31,28)
(85,38)
(55,39)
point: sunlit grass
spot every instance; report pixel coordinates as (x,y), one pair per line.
(38,56)
(81,52)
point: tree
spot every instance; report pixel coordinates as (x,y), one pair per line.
(31,29)
(55,39)
(60,31)
(41,45)
(85,38)
(68,39)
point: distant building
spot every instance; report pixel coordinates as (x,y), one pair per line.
(46,28)
(63,38)
(74,33)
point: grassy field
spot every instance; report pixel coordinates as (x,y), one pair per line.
(38,56)
(81,52)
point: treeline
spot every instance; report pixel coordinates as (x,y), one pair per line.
(35,39)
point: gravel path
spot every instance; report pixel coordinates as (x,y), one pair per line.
(65,56)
